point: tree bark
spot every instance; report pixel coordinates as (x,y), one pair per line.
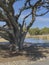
(21,41)
(17,42)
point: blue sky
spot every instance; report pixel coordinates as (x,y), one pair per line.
(40,22)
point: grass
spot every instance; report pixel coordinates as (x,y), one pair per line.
(39,36)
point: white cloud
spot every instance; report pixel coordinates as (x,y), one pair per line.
(42,19)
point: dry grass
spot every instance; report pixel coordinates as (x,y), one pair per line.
(39,36)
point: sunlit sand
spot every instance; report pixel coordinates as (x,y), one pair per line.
(2,40)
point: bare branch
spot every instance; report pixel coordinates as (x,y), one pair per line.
(33,18)
(5,19)
(2,5)
(22,9)
(42,13)
(9,32)
(11,2)
(16,18)
(10,17)
(3,35)
(34,9)
(4,29)
(25,19)
(38,3)
(10,6)
(4,25)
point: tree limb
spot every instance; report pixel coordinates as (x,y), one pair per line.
(42,13)
(6,30)
(11,18)
(34,8)
(5,19)
(25,19)
(3,35)
(22,9)
(33,18)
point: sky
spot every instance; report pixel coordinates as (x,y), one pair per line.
(40,22)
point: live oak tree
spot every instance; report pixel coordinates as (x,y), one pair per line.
(15,31)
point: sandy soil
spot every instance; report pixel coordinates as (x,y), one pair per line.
(28,53)
(2,40)
(31,53)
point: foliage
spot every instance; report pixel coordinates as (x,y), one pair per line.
(34,31)
(37,31)
(44,31)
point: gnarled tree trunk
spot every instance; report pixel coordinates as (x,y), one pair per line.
(15,33)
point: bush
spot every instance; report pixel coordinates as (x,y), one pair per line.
(37,31)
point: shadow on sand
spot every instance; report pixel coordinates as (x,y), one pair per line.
(32,52)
